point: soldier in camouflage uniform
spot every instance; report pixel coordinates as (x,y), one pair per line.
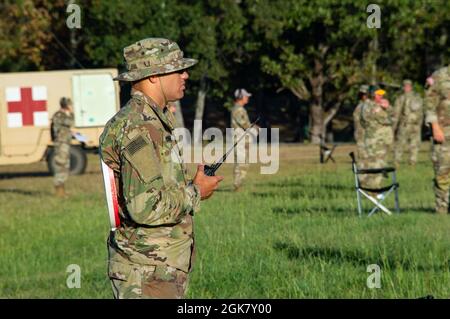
(437,108)
(62,122)
(361,153)
(240,122)
(152,252)
(359,131)
(408,110)
(376,120)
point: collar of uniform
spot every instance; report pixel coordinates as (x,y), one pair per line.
(161,113)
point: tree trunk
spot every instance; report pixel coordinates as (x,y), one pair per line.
(375,51)
(315,123)
(73,44)
(442,40)
(180,123)
(179,114)
(327,120)
(199,109)
(330,137)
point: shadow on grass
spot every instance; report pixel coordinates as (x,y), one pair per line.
(281,193)
(302,210)
(23,192)
(345,210)
(293,194)
(225,190)
(325,186)
(11,175)
(24,174)
(426,210)
(356,258)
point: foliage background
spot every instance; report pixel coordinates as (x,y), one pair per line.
(303,60)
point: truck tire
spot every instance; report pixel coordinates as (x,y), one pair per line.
(78,160)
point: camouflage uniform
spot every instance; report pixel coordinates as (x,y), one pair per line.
(437,106)
(408,124)
(359,132)
(151,253)
(361,152)
(61,125)
(240,122)
(378,138)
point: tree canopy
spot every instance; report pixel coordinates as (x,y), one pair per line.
(319,51)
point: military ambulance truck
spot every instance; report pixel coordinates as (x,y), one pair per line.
(28,101)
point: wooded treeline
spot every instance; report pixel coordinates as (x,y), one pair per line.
(314,53)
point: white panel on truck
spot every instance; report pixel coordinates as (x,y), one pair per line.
(94,99)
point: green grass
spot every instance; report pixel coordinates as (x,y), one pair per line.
(295,234)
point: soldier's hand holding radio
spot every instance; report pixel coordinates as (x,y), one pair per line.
(207,184)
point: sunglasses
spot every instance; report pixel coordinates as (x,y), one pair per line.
(178,72)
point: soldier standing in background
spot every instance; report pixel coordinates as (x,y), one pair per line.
(408,118)
(240,122)
(151,253)
(376,120)
(361,153)
(359,130)
(62,122)
(437,109)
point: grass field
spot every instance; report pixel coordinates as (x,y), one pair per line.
(295,234)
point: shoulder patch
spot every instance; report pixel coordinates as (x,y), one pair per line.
(136,145)
(141,154)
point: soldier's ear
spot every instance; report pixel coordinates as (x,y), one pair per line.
(153,79)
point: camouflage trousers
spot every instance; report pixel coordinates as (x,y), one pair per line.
(62,163)
(408,137)
(374,181)
(440,157)
(362,162)
(136,281)
(240,164)
(377,157)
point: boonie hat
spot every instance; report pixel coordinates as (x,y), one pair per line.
(153,56)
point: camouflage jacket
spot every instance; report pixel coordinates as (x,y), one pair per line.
(359,130)
(61,126)
(377,123)
(239,117)
(437,99)
(156,198)
(408,109)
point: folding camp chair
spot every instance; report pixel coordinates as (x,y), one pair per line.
(326,153)
(382,193)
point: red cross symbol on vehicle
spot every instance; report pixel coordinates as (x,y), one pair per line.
(27,106)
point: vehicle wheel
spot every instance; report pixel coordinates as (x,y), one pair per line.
(78,160)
